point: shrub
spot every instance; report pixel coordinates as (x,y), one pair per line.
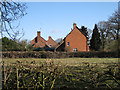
(48,54)
(21,75)
(49,75)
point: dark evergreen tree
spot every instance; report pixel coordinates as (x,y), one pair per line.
(95,41)
(9,44)
(84,30)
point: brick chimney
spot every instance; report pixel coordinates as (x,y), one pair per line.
(49,37)
(74,25)
(38,36)
(38,33)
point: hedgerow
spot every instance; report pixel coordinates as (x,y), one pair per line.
(48,54)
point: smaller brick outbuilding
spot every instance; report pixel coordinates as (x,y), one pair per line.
(40,42)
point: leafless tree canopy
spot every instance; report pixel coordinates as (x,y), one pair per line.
(10,12)
(109,30)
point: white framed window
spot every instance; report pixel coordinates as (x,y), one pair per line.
(68,43)
(74,49)
(50,45)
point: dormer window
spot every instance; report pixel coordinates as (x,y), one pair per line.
(36,40)
(68,43)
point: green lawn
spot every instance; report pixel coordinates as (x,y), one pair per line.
(69,61)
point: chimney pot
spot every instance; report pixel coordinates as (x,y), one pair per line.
(38,33)
(74,25)
(49,37)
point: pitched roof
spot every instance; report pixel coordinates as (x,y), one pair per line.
(51,41)
(79,30)
(59,44)
(42,40)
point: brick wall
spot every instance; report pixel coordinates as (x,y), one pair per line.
(76,40)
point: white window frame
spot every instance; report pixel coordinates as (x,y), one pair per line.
(68,43)
(50,45)
(74,49)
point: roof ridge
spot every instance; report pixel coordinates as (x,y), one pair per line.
(59,44)
(52,40)
(43,38)
(42,41)
(81,31)
(78,29)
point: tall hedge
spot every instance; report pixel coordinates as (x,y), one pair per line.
(45,54)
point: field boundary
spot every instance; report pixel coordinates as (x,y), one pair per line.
(48,54)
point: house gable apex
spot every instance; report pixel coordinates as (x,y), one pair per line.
(72,31)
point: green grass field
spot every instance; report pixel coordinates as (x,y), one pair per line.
(69,61)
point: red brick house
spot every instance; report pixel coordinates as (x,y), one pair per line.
(40,42)
(76,40)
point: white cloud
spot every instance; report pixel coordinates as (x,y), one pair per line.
(55,31)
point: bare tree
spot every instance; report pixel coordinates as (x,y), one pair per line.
(114,20)
(89,35)
(109,30)
(104,31)
(11,12)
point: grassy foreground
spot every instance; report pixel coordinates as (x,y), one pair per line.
(61,73)
(69,61)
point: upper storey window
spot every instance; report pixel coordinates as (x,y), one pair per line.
(68,43)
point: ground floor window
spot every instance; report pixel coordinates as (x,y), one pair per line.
(74,49)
